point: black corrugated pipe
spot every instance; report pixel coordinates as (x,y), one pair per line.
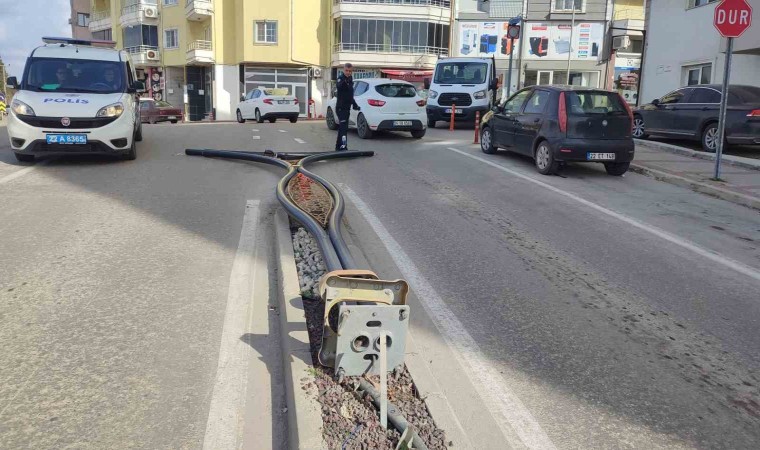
(394,416)
(245,156)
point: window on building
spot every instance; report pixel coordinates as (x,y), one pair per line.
(701,74)
(83,19)
(391,36)
(140,35)
(170,2)
(545,77)
(695,3)
(104,35)
(567,5)
(266,32)
(171,38)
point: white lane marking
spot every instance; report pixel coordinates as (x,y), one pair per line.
(256,138)
(224,428)
(300,141)
(712,256)
(21,172)
(283,131)
(505,407)
(255,130)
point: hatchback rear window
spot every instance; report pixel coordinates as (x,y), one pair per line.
(582,103)
(396,90)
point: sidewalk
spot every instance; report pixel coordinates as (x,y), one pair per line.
(687,168)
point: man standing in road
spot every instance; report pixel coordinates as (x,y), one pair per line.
(343,104)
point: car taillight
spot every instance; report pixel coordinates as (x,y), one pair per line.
(373,102)
(628,109)
(562,113)
(422,102)
(268,101)
(754,113)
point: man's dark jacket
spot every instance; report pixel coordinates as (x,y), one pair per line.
(345,96)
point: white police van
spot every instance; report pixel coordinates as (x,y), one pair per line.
(75,97)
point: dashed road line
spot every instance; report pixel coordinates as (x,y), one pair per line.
(300,141)
(283,131)
(256,137)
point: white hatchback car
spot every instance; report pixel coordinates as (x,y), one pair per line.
(268,104)
(386,105)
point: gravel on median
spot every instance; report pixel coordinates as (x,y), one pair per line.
(350,421)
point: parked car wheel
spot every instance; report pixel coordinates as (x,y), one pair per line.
(259,119)
(293,119)
(710,138)
(330,119)
(638,128)
(616,169)
(173,121)
(138,135)
(131,155)
(545,162)
(431,123)
(486,141)
(418,134)
(362,128)
(152,121)
(24,158)
(239,117)
(272,120)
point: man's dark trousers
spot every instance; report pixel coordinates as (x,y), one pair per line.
(342,142)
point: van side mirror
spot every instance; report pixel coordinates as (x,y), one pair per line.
(12,82)
(656,102)
(138,87)
(426,83)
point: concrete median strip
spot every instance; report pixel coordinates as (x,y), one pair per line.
(738,161)
(304,415)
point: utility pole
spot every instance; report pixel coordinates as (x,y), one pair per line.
(572,32)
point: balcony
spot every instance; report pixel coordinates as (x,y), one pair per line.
(200,53)
(199,10)
(100,20)
(381,55)
(144,55)
(137,12)
(429,10)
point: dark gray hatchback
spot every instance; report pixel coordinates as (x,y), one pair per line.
(558,124)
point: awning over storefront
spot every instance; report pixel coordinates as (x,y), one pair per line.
(408,75)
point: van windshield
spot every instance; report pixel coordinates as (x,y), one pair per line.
(581,103)
(461,73)
(74,75)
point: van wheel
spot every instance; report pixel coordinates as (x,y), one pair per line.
(131,155)
(239,117)
(616,169)
(545,162)
(330,119)
(362,128)
(24,158)
(259,119)
(138,135)
(486,141)
(431,123)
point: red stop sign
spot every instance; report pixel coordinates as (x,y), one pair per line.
(732,17)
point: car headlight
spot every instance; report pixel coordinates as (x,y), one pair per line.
(21,109)
(114,110)
(480,94)
(432,94)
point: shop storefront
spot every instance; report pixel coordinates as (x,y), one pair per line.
(626,78)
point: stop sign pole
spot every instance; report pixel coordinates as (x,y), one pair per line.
(732,18)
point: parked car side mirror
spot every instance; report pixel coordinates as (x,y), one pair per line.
(656,102)
(138,87)
(242,98)
(496,109)
(12,82)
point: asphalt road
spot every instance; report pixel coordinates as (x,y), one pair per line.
(623,312)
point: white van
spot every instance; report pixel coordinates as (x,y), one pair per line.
(467,84)
(75,97)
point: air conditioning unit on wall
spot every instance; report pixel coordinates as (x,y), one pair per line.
(316,72)
(150,11)
(152,55)
(619,42)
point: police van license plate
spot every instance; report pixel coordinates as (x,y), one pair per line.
(600,156)
(448,111)
(66,138)
(402,123)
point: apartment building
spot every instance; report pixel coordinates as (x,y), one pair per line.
(683,48)
(80,19)
(400,39)
(205,54)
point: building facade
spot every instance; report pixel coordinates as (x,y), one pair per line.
(627,36)
(80,19)
(697,56)
(206,54)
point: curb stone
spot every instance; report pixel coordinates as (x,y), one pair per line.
(738,161)
(714,191)
(304,413)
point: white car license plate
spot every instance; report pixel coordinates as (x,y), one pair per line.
(600,156)
(448,111)
(66,138)
(283,102)
(172,117)
(402,123)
